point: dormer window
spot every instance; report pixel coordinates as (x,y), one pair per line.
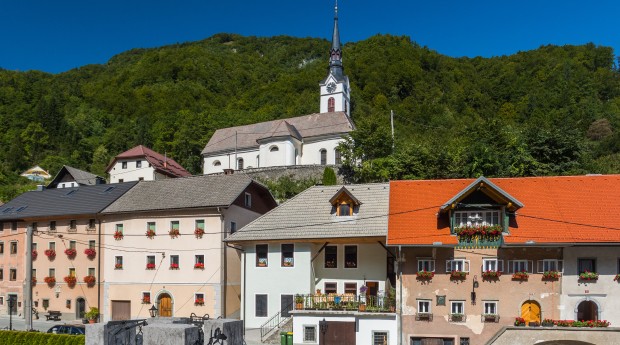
(344,203)
(476,218)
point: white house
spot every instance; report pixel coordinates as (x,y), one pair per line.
(321,255)
(303,140)
(143,164)
(69,177)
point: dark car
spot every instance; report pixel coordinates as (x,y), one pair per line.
(68,329)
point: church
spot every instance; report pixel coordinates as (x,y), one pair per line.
(303,140)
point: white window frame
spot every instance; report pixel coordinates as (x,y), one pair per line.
(452,263)
(543,266)
(476,218)
(306,340)
(325,287)
(489,303)
(499,265)
(453,303)
(387,336)
(513,266)
(421,302)
(426,262)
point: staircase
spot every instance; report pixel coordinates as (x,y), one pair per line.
(270,330)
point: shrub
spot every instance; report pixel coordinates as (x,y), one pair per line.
(329,177)
(36,338)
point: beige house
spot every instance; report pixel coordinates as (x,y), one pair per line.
(164,246)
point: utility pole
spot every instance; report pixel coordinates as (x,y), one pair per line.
(236,163)
(392,124)
(28,282)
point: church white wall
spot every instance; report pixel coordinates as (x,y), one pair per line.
(131,172)
(285,155)
(312,151)
(227,161)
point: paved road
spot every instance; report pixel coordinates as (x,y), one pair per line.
(19,323)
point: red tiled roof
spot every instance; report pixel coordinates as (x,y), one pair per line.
(571,209)
(163,165)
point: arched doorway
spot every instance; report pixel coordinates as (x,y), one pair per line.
(164,305)
(530,311)
(587,311)
(80,308)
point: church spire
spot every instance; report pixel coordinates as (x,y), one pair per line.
(335,53)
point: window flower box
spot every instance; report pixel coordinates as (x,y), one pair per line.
(425,275)
(199,301)
(118,266)
(90,253)
(520,276)
(490,318)
(262,262)
(34,254)
(118,235)
(424,316)
(548,323)
(458,275)
(588,276)
(617,278)
(174,233)
(199,266)
(90,280)
(150,266)
(150,233)
(551,275)
(488,231)
(50,253)
(51,281)
(174,266)
(519,321)
(489,274)
(199,232)
(146,300)
(589,324)
(34,281)
(70,280)
(71,253)
(457,317)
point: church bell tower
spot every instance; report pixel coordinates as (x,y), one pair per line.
(335,89)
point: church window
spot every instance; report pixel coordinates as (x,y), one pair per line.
(323,157)
(240,164)
(331,105)
(338,159)
(274,149)
(217,163)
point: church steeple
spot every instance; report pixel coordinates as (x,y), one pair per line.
(335,88)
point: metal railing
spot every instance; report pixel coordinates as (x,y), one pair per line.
(274,322)
(346,302)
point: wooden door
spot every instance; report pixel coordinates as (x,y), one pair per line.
(338,333)
(530,311)
(373,288)
(165,305)
(80,308)
(121,310)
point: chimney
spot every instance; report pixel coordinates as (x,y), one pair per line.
(40,188)
(229,171)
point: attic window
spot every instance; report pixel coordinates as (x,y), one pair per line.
(344,209)
(476,218)
(109,189)
(344,203)
(21,208)
(71,192)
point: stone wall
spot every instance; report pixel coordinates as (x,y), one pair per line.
(555,335)
(296,172)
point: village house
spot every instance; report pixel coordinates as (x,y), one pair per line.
(66,248)
(303,140)
(321,258)
(72,177)
(164,246)
(478,255)
(143,164)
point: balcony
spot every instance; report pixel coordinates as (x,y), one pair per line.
(346,302)
(479,242)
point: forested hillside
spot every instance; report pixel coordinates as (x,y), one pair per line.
(554,110)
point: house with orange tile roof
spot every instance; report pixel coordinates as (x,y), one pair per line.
(143,164)
(475,255)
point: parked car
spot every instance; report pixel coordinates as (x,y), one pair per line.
(68,329)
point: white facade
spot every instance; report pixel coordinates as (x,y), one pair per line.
(603,292)
(67,184)
(366,325)
(125,170)
(339,92)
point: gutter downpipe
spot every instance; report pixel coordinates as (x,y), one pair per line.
(244,280)
(99,272)
(400,297)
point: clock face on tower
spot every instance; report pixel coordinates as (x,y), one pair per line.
(331,87)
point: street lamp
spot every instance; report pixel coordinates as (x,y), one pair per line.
(153,311)
(323,329)
(473,290)
(11,305)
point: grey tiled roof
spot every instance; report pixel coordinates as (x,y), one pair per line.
(182,192)
(301,127)
(63,201)
(309,215)
(80,176)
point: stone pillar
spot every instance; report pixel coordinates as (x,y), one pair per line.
(232,330)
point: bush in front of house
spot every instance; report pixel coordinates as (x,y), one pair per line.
(37,338)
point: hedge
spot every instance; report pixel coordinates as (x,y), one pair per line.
(37,338)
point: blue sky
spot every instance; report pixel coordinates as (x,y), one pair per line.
(56,36)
